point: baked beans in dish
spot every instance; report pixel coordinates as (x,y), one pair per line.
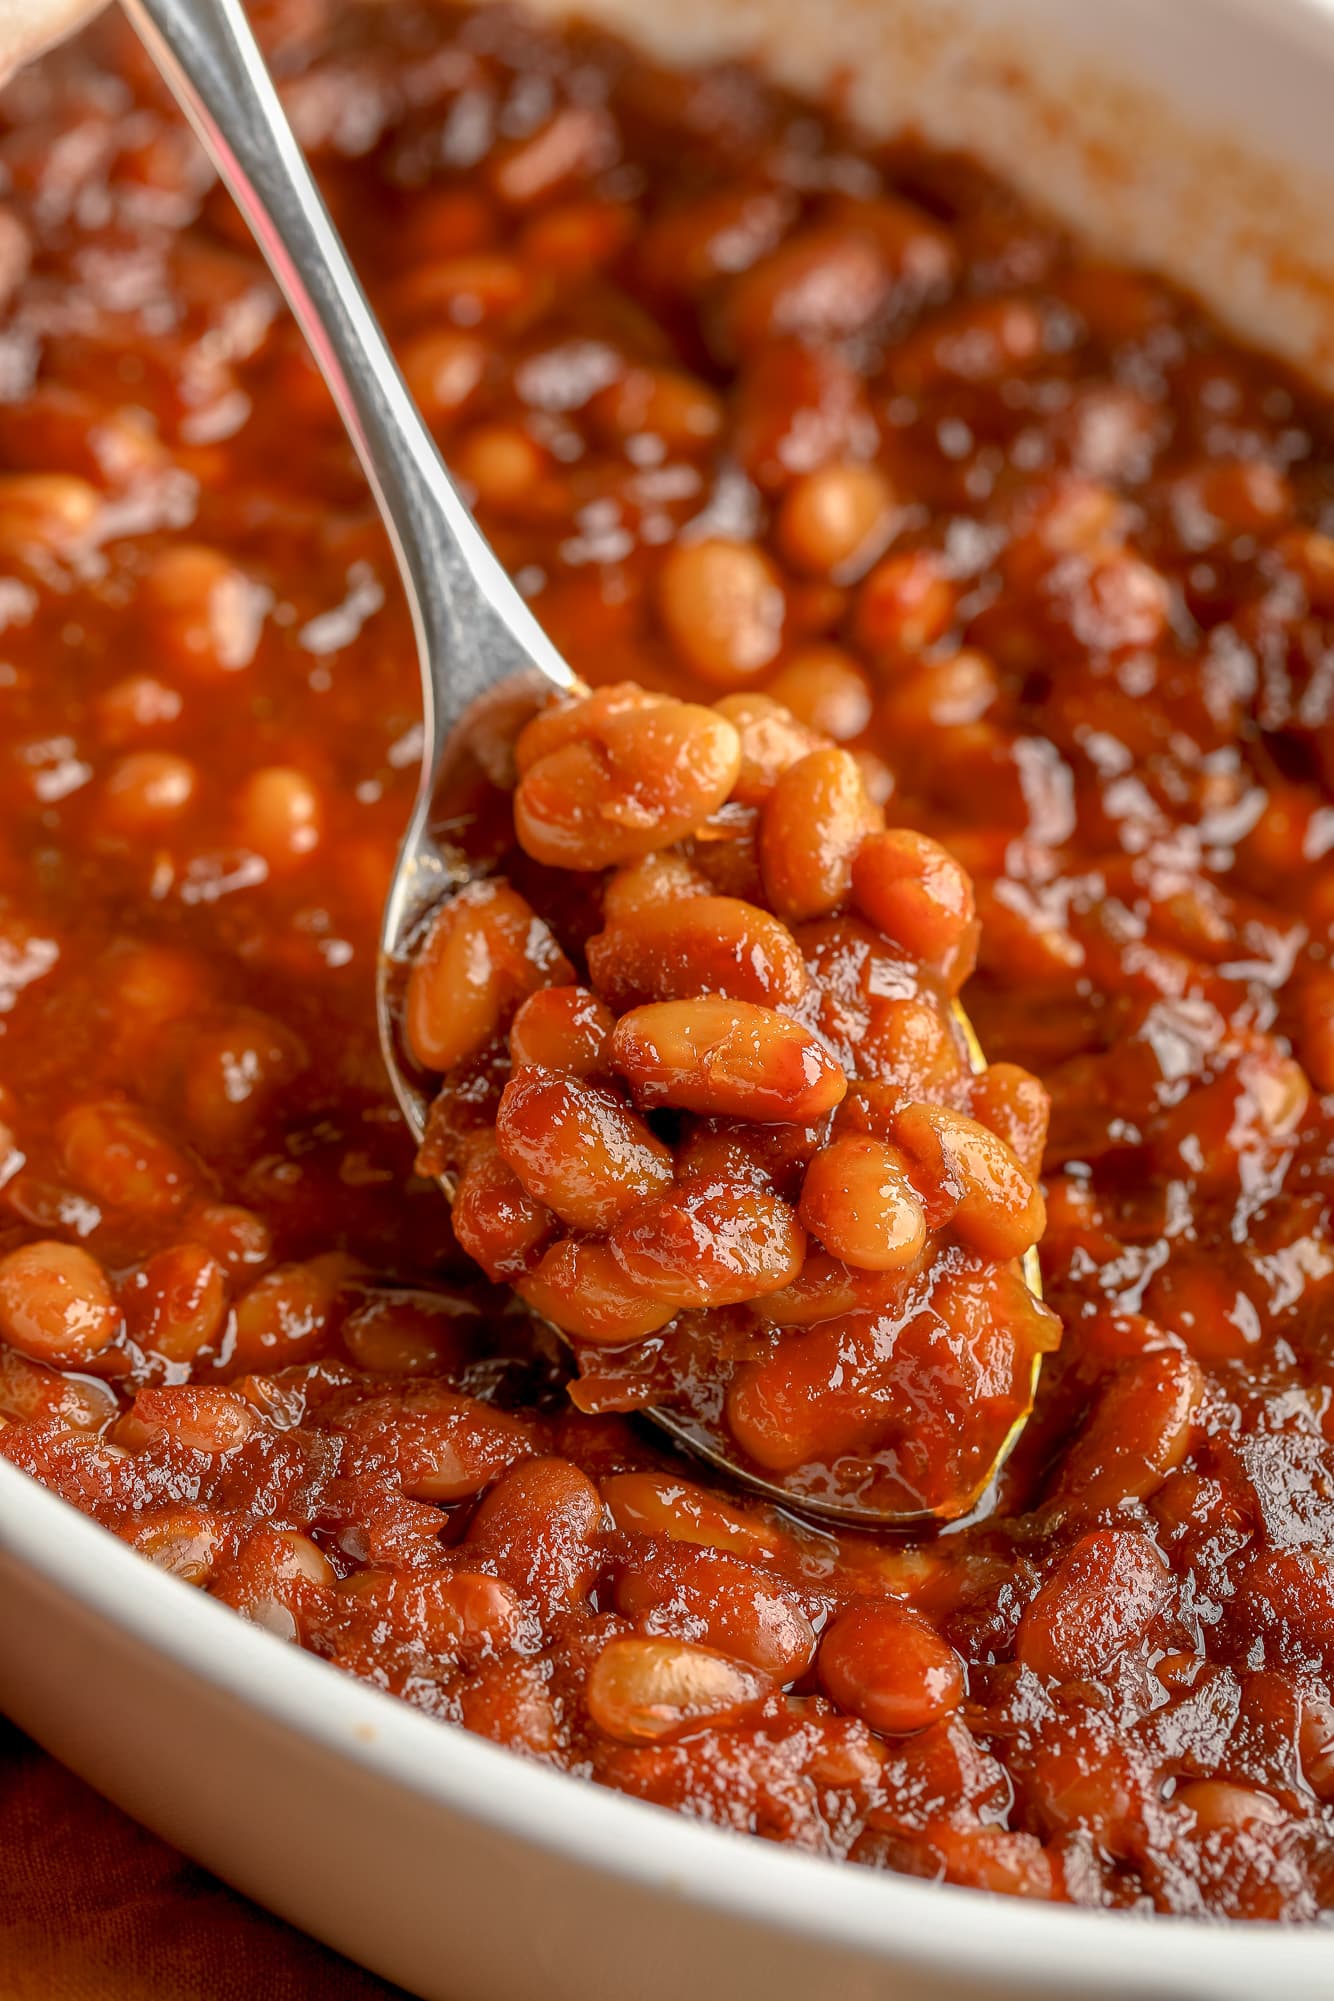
(774,426)
(748,1167)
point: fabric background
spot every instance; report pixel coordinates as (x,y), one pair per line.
(94,1908)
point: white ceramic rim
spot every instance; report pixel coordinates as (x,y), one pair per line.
(880,1914)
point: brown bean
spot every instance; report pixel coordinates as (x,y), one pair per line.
(859,1201)
(823,285)
(708,944)
(826,690)
(886,1665)
(561,1028)
(835,522)
(812,824)
(56,1305)
(973,1178)
(725,1057)
(915,892)
(619,775)
(772,739)
(497,1221)
(577,1147)
(723,608)
(723,1602)
(580,1288)
(485,951)
(653,879)
(647,1691)
(661,1504)
(709,1243)
(1101,1598)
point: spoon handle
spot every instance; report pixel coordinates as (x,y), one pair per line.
(472,625)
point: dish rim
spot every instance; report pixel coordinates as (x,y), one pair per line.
(878,1914)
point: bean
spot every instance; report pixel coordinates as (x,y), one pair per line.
(146,791)
(581,1288)
(234,1069)
(541,1526)
(449,1615)
(722,606)
(975,341)
(1100,1600)
(205,614)
(725,1057)
(822,1393)
(440,1446)
(498,1223)
(859,1201)
(237,1238)
(694,243)
(915,892)
(887,1665)
(773,1158)
(648,1691)
(812,824)
(444,368)
(276,1577)
(46,512)
(708,1243)
(834,522)
(722,1602)
(708,944)
(193,1416)
(32,1393)
(186,1542)
(826,690)
(1139,1431)
(486,950)
(400,1332)
(111,1150)
(905,605)
(578,1148)
(503,464)
(618,776)
(483,288)
(970,1177)
(134,707)
(659,403)
(660,1504)
(1014,1105)
(772,739)
(653,879)
(823,285)
(289,1316)
(176,1304)
(279,816)
(56,1304)
(561,1028)
(576,142)
(795,409)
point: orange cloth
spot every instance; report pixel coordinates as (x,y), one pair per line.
(93,1908)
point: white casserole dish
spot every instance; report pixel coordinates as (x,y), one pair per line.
(1197,135)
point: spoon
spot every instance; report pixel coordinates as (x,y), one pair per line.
(485,661)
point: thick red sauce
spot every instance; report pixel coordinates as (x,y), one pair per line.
(1085,643)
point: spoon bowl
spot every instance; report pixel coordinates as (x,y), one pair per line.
(486,663)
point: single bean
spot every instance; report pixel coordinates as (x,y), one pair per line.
(725,1057)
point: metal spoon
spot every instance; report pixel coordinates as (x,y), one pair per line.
(485,660)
